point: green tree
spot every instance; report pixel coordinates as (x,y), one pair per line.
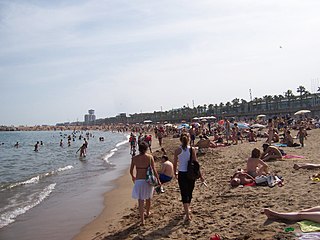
(301,90)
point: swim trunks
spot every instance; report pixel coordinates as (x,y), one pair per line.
(164,178)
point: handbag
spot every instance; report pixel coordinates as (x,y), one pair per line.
(150,177)
(193,172)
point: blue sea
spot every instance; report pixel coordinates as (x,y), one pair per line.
(52,193)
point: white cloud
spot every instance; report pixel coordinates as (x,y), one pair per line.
(120,56)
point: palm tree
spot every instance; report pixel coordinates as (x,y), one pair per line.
(267,99)
(289,95)
(221,105)
(210,109)
(301,90)
(276,99)
(228,105)
(243,105)
(235,104)
(216,109)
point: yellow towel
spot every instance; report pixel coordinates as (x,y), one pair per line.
(309,226)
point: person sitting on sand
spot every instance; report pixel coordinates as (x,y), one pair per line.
(166,172)
(309,166)
(252,136)
(255,166)
(290,141)
(270,153)
(311,214)
(205,143)
(241,178)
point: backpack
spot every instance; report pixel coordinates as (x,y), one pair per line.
(193,172)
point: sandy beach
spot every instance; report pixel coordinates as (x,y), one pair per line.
(233,213)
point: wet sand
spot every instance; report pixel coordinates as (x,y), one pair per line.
(233,213)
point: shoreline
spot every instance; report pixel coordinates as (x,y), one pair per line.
(114,203)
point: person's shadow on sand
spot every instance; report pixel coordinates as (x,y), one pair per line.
(140,231)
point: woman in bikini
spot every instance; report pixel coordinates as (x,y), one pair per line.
(142,190)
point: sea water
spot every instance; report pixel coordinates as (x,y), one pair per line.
(51,193)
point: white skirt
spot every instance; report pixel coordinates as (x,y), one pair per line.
(142,190)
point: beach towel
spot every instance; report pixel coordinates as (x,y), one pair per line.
(309,226)
(280,145)
(309,236)
(292,157)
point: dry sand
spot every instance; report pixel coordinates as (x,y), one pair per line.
(233,213)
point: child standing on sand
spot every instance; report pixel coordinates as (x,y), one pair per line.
(302,134)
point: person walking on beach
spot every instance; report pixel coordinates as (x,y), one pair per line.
(142,190)
(227,129)
(270,131)
(186,185)
(302,135)
(160,134)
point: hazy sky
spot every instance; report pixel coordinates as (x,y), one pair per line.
(60,58)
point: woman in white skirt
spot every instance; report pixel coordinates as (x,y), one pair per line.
(142,190)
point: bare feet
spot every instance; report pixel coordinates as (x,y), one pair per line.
(270,214)
(147,214)
(296,166)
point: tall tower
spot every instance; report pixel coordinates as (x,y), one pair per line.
(89,118)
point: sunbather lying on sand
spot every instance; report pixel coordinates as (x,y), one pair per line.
(241,178)
(311,214)
(308,166)
(270,153)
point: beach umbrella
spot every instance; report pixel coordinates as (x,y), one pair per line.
(261,116)
(257,125)
(147,121)
(168,125)
(183,125)
(242,125)
(301,112)
(196,124)
(195,118)
(211,117)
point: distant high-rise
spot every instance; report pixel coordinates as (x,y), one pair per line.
(90,118)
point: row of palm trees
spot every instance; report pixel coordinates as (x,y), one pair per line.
(267,104)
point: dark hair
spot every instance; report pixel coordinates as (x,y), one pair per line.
(265,146)
(143,147)
(255,153)
(184,139)
(165,157)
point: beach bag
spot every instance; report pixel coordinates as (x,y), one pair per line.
(193,172)
(150,177)
(261,180)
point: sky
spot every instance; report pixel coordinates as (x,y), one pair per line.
(58,59)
